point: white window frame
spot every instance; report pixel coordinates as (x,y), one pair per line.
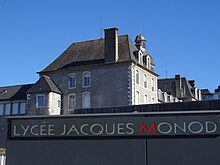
(17,108)
(152,100)
(37,99)
(20,108)
(137,77)
(74,105)
(70,76)
(83,100)
(89,77)
(145,98)
(2,109)
(137,98)
(9,110)
(152,84)
(148,62)
(145,80)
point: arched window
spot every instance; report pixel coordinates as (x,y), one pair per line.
(72,101)
(145,80)
(152,84)
(86,100)
(86,79)
(137,77)
(137,97)
(145,98)
(148,62)
(72,80)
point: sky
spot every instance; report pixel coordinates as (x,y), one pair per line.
(183,36)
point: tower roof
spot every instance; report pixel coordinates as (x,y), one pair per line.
(139,38)
(44,84)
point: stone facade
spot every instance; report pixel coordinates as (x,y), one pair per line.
(51,105)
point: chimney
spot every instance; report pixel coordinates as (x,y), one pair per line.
(179,90)
(111,45)
(192,83)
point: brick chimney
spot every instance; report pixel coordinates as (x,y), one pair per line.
(111,45)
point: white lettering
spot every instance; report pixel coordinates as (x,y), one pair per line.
(25,129)
(113,129)
(99,131)
(120,128)
(183,128)
(129,127)
(50,130)
(165,124)
(81,129)
(73,129)
(195,123)
(15,133)
(32,130)
(208,125)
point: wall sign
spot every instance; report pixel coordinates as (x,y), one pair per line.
(113,126)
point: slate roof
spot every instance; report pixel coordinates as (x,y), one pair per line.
(44,84)
(206,92)
(89,51)
(16,92)
(166,85)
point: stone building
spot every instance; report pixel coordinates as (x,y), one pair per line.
(113,71)
(12,103)
(180,87)
(207,95)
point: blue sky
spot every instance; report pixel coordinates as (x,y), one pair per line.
(182,35)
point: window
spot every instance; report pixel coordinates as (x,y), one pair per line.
(7,109)
(145,98)
(15,109)
(145,80)
(86,100)
(137,77)
(22,108)
(152,84)
(152,100)
(40,101)
(72,102)
(86,79)
(148,62)
(59,103)
(1,109)
(72,80)
(137,98)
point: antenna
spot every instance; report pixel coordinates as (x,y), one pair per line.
(101,28)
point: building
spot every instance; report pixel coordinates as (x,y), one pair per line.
(12,103)
(180,87)
(113,71)
(185,133)
(13,100)
(207,95)
(163,97)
